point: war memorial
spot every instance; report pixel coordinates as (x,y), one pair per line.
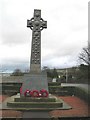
(34,93)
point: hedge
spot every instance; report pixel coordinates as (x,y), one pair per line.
(54,88)
(82,93)
(54,84)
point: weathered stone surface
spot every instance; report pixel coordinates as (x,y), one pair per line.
(31,99)
(34,82)
(16,103)
(36,24)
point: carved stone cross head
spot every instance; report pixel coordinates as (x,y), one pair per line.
(37,23)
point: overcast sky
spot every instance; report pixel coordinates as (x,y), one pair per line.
(62,41)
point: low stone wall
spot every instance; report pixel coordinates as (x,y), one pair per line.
(12,79)
(16,79)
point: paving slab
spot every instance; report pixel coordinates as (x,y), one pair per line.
(36,115)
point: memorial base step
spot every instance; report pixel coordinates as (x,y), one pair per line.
(36,104)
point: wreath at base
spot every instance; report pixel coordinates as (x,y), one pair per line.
(35,93)
(27,93)
(44,93)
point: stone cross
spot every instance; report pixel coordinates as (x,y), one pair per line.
(36,24)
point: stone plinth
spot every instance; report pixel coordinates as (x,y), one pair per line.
(34,82)
(36,104)
(31,99)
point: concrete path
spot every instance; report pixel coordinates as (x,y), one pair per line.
(36,115)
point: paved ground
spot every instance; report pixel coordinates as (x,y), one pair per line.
(36,115)
(8,113)
(79,109)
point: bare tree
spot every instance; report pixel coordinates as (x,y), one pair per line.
(84,56)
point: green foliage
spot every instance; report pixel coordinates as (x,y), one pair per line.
(17,72)
(59,90)
(52,73)
(81,93)
(48,71)
(82,74)
(11,88)
(54,88)
(78,74)
(54,84)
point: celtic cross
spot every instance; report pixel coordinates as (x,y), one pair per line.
(36,24)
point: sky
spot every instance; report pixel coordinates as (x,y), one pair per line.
(61,42)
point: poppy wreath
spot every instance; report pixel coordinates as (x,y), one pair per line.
(27,92)
(44,93)
(35,93)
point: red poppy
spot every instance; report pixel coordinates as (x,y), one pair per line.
(35,93)
(27,93)
(44,93)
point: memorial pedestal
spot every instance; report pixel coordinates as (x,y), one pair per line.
(37,104)
(34,82)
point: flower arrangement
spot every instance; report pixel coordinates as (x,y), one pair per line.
(27,93)
(35,93)
(44,93)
